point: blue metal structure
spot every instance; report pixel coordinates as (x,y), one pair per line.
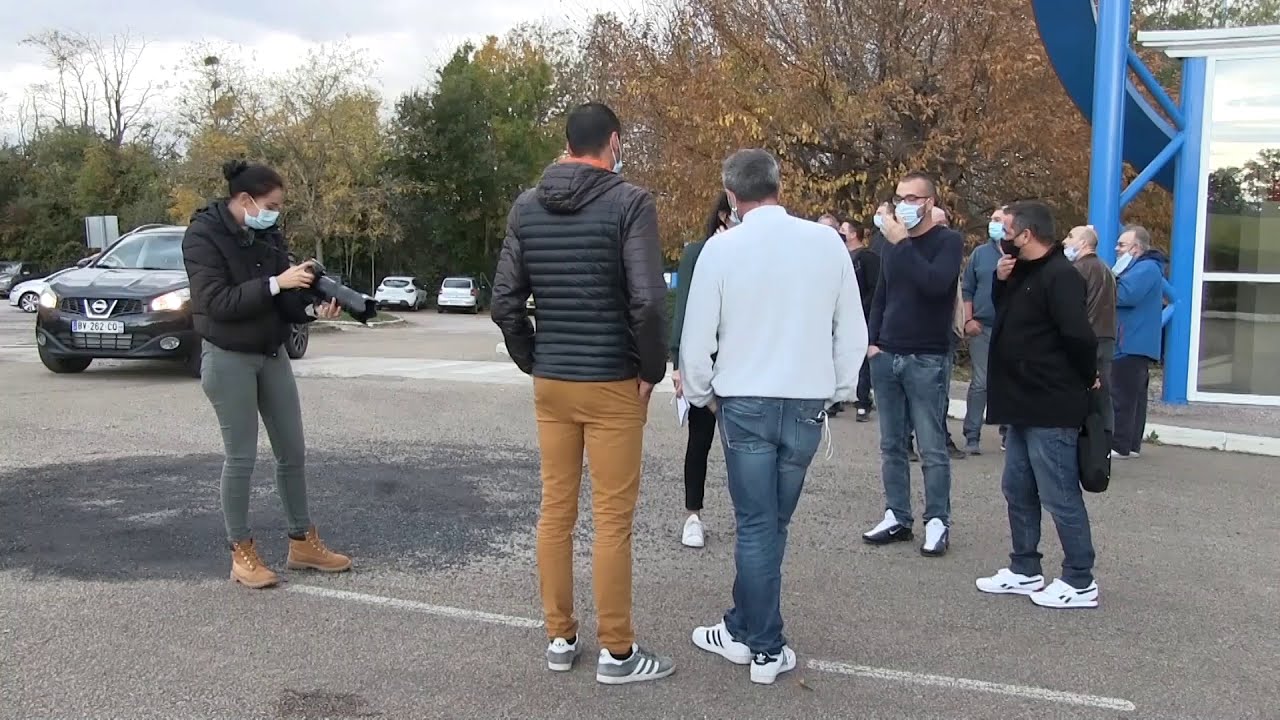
(1092,57)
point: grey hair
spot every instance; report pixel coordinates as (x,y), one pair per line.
(1141,236)
(752,175)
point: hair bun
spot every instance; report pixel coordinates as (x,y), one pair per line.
(232,168)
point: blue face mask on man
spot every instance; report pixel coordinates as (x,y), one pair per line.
(263,220)
(910,214)
(878,220)
(995,231)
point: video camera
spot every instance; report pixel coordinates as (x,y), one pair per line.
(358,305)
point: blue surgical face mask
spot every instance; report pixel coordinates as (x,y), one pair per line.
(617,161)
(1070,252)
(909,214)
(879,221)
(733,217)
(1122,263)
(263,220)
(995,230)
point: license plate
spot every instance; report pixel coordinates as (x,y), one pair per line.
(102,327)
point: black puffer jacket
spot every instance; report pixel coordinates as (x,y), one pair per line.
(585,243)
(230,268)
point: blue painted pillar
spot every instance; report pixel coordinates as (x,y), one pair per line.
(1178,353)
(1110,85)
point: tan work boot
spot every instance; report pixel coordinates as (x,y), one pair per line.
(248,569)
(311,554)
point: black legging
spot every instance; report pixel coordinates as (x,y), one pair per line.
(702,432)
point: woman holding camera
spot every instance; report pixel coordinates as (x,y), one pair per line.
(245,296)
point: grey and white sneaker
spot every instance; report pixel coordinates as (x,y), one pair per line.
(642,665)
(1008,582)
(1063,596)
(766,668)
(716,639)
(561,655)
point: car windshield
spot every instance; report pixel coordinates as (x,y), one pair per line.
(147,251)
(395,283)
(463,283)
(7,267)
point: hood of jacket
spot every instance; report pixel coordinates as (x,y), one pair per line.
(216,215)
(568,187)
(1152,255)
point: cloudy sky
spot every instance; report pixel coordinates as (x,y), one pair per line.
(1246,110)
(408,38)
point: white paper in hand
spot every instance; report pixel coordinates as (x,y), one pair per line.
(682,410)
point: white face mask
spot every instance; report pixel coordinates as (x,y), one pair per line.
(1071,252)
(1122,263)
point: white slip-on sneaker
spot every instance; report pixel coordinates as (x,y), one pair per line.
(937,537)
(716,639)
(694,534)
(766,668)
(561,655)
(1063,596)
(1007,582)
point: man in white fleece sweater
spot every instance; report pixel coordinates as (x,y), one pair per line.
(776,303)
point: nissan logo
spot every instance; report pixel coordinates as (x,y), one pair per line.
(98,307)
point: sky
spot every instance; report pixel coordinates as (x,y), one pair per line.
(407,38)
(1246,110)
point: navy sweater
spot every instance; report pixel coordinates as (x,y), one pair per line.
(914,303)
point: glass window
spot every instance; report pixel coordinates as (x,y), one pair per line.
(1240,338)
(1243,230)
(396,283)
(463,283)
(148,251)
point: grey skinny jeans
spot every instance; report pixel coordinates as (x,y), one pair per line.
(241,386)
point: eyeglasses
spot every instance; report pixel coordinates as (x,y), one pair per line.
(912,199)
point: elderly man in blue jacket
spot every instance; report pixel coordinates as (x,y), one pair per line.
(1139,273)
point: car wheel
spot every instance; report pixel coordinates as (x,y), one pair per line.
(299,341)
(439,310)
(29,302)
(193,363)
(64,365)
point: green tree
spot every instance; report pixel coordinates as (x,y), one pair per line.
(462,151)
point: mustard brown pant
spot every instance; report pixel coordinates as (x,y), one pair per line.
(607,420)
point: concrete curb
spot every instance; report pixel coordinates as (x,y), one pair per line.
(352,323)
(1179,436)
(1174,435)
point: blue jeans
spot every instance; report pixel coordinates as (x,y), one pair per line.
(911,394)
(1041,470)
(768,445)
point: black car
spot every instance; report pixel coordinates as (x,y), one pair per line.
(13,272)
(130,302)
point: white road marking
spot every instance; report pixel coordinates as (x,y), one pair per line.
(414,606)
(826,666)
(954,683)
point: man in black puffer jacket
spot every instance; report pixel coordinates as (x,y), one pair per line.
(585,243)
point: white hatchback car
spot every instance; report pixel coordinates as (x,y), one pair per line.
(401,291)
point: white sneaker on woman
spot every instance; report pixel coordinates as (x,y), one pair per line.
(694,534)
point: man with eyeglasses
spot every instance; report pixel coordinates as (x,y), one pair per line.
(910,341)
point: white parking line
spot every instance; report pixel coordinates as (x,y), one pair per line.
(427,608)
(955,683)
(826,666)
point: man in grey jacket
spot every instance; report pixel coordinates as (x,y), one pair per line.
(585,242)
(979,319)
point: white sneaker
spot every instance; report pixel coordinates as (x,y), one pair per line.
(1007,582)
(561,655)
(716,639)
(694,535)
(766,668)
(937,537)
(1062,595)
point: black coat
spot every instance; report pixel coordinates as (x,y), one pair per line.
(230,269)
(1043,351)
(585,243)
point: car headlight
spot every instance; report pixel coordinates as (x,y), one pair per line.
(48,299)
(175,300)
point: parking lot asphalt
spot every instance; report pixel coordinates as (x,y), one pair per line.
(114,600)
